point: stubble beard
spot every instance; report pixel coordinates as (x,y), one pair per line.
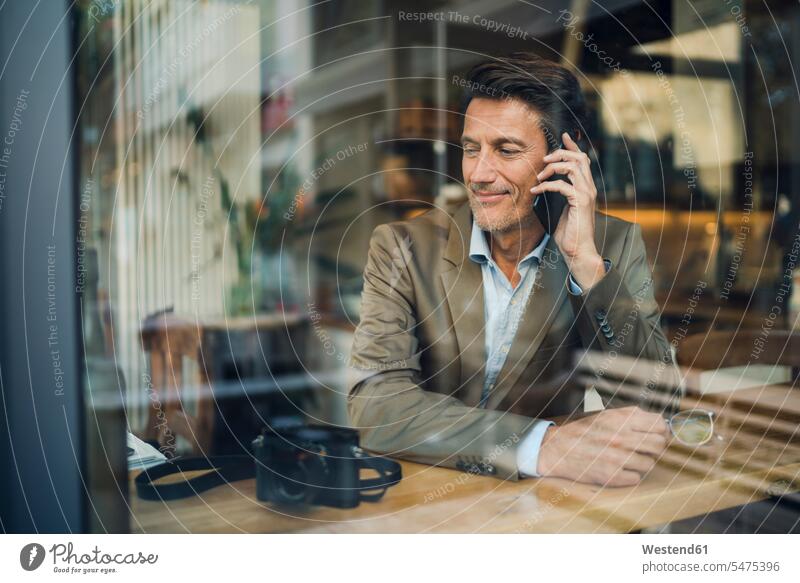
(509,221)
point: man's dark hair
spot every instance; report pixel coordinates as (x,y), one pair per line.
(546,86)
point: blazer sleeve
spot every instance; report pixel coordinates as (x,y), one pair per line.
(619,315)
(394,414)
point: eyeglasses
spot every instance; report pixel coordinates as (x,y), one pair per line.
(694,427)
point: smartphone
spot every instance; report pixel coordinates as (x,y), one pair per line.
(549,206)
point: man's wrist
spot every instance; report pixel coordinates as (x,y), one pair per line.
(543,468)
(587,272)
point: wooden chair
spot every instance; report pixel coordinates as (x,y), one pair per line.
(169,339)
(715,350)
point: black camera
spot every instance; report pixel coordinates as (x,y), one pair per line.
(296,465)
(314,464)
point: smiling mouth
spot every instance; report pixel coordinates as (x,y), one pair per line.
(490,196)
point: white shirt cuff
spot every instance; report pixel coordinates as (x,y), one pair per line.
(528,450)
(574,288)
(577,290)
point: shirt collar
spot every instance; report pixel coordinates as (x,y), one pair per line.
(479,249)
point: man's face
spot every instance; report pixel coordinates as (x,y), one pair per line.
(503,149)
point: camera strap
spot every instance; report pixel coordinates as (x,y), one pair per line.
(389,474)
(231,468)
(221,470)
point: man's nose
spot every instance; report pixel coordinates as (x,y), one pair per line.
(483,171)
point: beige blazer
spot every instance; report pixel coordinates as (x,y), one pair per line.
(418,356)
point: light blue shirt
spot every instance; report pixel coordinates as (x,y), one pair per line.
(504,307)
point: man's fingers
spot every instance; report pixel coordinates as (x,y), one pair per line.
(561,186)
(649,443)
(571,151)
(638,441)
(571,169)
(584,161)
(569,142)
(562,155)
(629,467)
(623,477)
(649,422)
(639,463)
(616,446)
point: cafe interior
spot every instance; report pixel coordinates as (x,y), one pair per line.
(233,158)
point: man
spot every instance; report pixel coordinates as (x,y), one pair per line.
(469,321)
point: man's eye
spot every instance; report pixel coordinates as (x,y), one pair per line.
(507,152)
(470,151)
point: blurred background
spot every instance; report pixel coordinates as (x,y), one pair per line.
(232,158)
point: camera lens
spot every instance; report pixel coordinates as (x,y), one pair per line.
(291,487)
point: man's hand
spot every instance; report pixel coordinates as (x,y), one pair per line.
(615,447)
(574,234)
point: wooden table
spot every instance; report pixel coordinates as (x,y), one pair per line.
(759,457)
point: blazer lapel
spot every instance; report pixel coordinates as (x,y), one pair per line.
(463,286)
(544,303)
